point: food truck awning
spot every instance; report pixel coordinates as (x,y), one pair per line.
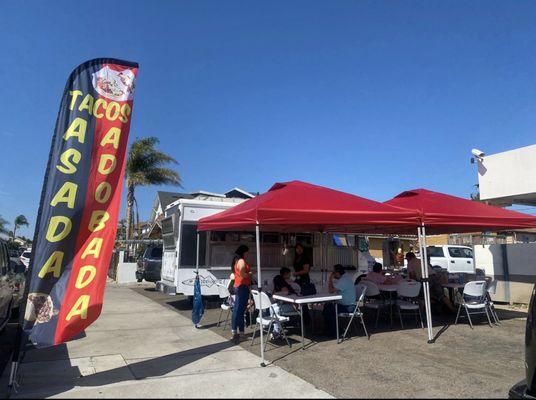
(443,213)
(303,206)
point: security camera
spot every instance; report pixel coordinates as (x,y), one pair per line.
(478,153)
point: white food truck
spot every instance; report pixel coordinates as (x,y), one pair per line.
(179,234)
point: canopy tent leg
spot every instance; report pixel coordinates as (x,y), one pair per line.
(426,286)
(259,284)
(322,259)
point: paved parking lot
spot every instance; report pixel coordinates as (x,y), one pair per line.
(139,349)
(484,362)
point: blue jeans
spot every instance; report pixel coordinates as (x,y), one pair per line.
(330,323)
(240,304)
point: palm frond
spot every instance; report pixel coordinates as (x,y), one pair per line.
(3,224)
(21,220)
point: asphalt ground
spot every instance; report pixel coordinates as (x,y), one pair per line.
(395,362)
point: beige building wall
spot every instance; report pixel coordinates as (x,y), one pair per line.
(437,240)
(375,247)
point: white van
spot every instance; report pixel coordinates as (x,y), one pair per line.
(455,259)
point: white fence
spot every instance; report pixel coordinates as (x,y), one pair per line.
(512,265)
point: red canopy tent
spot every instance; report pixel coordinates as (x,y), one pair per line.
(443,213)
(300,206)
(303,207)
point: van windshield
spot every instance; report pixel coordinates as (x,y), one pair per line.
(156,252)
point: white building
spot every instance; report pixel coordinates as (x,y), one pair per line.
(506,179)
(509,177)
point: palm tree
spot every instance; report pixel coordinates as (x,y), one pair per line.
(146,166)
(20,220)
(3,224)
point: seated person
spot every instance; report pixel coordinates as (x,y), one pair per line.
(282,283)
(435,281)
(339,282)
(376,275)
(283,286)
(414,267)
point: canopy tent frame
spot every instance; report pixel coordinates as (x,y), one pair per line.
(303,207)
(443,213)
(424,270)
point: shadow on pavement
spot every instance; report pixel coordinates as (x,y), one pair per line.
(48,383)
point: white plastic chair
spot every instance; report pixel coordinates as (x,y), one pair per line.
(474,301)
(377,304)
(408,292)
(361,291)
(492,289)
(263,322)
(227,305)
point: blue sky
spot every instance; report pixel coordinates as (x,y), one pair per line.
(367,97)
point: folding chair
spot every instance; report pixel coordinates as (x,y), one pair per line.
(263,322)
(360,296)
(408,292)
(375,303)
(474,301)
(492,289)
(227,305)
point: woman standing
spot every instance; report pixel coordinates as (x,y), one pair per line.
(242,283)
(301,266)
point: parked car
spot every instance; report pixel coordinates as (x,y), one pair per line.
(4,258)
(455,259)
(14,253)
(150,264)
(526,389)
(25,257)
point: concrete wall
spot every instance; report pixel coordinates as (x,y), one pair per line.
(521,269)
(125,271)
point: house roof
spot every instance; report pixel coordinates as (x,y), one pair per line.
(166,198)
(240,193)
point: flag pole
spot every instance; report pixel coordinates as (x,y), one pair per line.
(197,255)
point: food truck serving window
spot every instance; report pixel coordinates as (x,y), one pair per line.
(189,245)
(168,234)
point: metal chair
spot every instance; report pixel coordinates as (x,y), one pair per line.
(262,321)
(474,301)
(375,303)
(492,289)
(361,291)
(227,305)
(408,292)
